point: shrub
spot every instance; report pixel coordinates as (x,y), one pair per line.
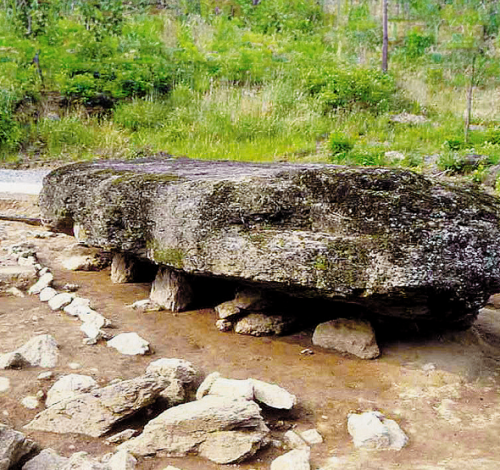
(339,143)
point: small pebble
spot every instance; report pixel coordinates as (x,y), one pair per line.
(4,384)
(45,375)
(74,365)
(30,402)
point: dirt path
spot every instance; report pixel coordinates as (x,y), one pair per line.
(451,412)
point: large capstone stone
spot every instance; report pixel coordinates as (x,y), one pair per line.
(391,241)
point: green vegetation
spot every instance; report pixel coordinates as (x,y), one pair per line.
(286,80)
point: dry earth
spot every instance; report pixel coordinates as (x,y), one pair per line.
(451,413)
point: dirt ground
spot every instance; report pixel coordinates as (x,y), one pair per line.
(451,413)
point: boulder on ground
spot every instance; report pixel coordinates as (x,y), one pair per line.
(222,430)
(41,351)
(347,336)
(268,394)
(44,281)
(47,459)
(47,294)
(122,268)
(372,430)
(297,459)
(260,324)
(394,242)
(69,386)
(60,301)
(13,447)
(82,258)
(130,344)
(95,413)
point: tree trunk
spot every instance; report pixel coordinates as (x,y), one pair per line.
(468,113)
(385,43)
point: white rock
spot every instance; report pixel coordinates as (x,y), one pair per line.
(122,268)
(120,437)
(312,436)
(260,324)
(122,460)
(141,304)
(47,459)
(347,335)
(224,325)
(232,388)
(294,441)
(77,306)
(28,261)
(43,271)
(4,384)
(297,459)
(175,369)
(272,395)
(39,351)
(44,281)
(92,332)
(171,290)
(47,294)
(170,467)
(74,365)
(31,402)
(82,461)
(93,318)
(69,386)
(45,375)
(204,387)
(371,430)
(60,301)
(15,292)
(130,344)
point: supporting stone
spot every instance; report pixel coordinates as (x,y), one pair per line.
(122,268)
(171,290)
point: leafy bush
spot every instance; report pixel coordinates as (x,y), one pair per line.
(416,44)
(339,143)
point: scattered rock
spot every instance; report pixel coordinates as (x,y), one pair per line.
(122,460)
(30,402)
(13,447)
(227,310)
(297,459)
(94,413)
(19,277)
(347,336)
(44,281)
(43,271)
(173,369)
(294,441)
(69,386)
(272,395)
(121,436)
(130,344)
(250,389)
(4,384)
(47,294)
(220,429)
(39,351)
(70,287)
(15,292)
(312,436)
(143,305)
(46,375)
(224,325)
(259,324)
(171,290)
(373,431)
(394,155)
(74,365)
(60,301)
(82,461)
(47,459)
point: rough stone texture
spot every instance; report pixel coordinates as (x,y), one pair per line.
(396,243)
(60,301)
(122,460)
(47,459)
(82,461)
(47,294)
(221,429)
(94,413)
(39,351)
(260,324)
(4,384)
(130,344)
(268,394)
(171,290)
(173,369)
(347,335)
(17,276)
(31,402)
(294,441)
(122,268)
(297,459)
(371,430)
(312,436)
(44,281)
(69,386)
(122,436)
(13,447)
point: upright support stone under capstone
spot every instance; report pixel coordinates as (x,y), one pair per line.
(171,290)
(122,268)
